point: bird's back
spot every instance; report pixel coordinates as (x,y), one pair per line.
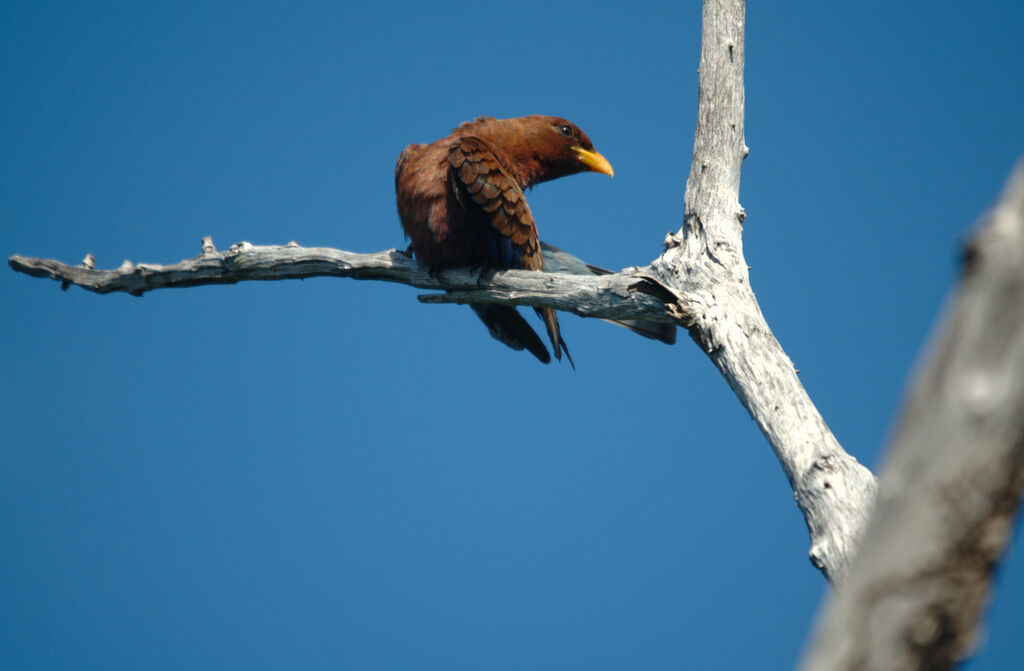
(441,233)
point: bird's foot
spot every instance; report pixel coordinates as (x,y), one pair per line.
(483,274)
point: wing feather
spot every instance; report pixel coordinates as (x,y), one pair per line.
(479,174)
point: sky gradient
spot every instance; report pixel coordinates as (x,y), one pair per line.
(328,474)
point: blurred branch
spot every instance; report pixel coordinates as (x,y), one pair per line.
(953,478)
(620,296)
(704,265)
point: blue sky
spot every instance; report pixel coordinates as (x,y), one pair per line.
(328,474)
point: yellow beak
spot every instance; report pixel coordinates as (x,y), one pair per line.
(594,161)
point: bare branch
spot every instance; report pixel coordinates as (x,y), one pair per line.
(627,295)
(953,480)
(703,263)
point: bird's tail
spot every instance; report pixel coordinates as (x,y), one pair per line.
(555,334)
(508,326)
(666,333)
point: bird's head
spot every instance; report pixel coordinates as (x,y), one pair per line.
(544,147)
(573,150)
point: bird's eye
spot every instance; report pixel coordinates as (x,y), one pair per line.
(565,130)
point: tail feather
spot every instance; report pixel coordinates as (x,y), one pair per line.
(550,318)
(666,333)
(509,327)
(554,335)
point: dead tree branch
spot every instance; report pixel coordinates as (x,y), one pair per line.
(704,264)
(626,295)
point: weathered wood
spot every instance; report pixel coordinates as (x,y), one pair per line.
(952,482)
(703,263)
(625,295)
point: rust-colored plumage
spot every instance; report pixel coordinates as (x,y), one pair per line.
(461,203)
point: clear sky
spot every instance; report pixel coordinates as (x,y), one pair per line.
(327,474)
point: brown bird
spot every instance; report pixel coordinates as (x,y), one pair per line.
(461,203)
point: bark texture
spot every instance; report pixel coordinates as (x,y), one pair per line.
(704,264)
(629,294)
(952,484)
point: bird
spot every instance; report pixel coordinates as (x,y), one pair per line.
(461,203)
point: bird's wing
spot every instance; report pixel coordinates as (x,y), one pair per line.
(478,174)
